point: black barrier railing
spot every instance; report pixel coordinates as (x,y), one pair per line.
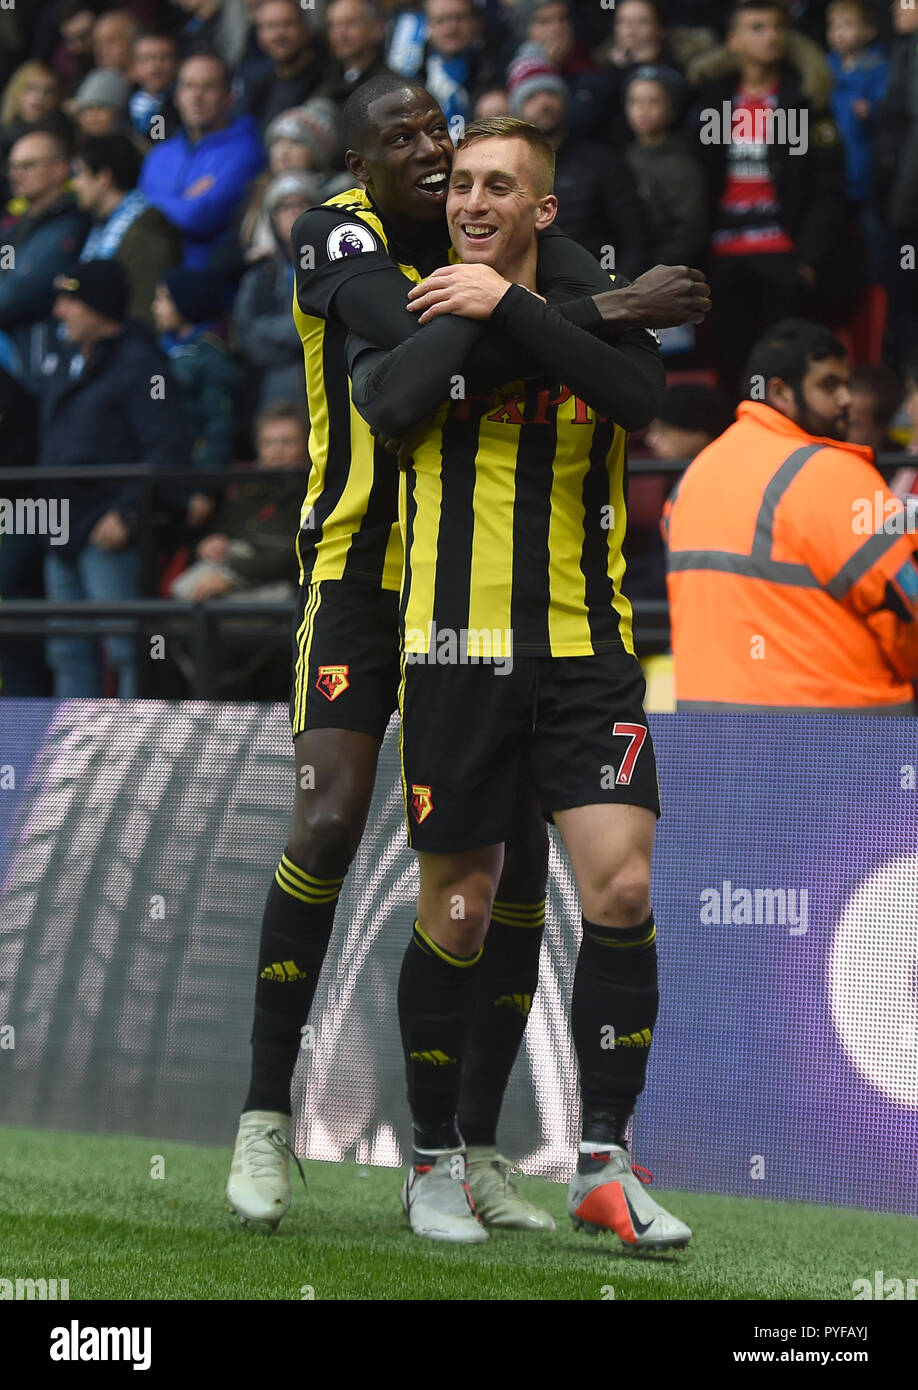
(200,623)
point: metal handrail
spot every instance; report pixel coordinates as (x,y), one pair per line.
(202,620)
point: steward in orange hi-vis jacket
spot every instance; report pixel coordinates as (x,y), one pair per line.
(792,573)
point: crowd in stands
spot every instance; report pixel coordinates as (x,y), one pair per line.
(155,155)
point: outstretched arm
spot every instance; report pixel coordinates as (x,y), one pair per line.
(396,391)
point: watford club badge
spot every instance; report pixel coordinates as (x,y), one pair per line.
(421,803)
(332,681)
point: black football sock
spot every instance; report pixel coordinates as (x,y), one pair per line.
(505,985)
(295,932)
(435,994)
(613,1013)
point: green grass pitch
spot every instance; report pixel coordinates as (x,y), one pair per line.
(85,1208)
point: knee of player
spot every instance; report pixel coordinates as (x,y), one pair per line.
(324,842)
(462,937)
(623,897)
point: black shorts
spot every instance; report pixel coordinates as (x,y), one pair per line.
(345,657)
(573,726)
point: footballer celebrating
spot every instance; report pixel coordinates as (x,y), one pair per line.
(513,518)
(357,256)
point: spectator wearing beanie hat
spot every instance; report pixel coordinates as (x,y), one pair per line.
(312,128)
(302,139)
(268,336)
(101,104)
(188,309)
(669,177)
(598,203)
(531,72)
(97,408)
(550,24)
(308,138)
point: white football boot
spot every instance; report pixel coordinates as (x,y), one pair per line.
(437,1201)
(612,1197)
(258,1190)
(497,1201)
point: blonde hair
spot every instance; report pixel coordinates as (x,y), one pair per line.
(509,128)
(9,108)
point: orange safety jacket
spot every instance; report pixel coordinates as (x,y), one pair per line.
(792,575)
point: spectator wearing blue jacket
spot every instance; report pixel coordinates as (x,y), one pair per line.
(199,178)
(860,73)
(110,400)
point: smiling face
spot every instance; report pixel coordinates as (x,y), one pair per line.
(498,199)
(406,155)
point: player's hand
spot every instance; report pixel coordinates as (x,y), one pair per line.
(110,532)
(402,448)
(471,291)
(664,297)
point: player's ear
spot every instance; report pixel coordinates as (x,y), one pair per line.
(548,211)
(357,166)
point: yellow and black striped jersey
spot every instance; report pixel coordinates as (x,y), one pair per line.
(513,517)
(513,513)
(349,518)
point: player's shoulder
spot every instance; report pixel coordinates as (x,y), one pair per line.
(346,225)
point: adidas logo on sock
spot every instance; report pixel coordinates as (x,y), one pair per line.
(436,1058)
(283,972)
